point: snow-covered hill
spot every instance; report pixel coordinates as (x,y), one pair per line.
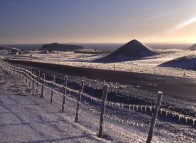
(132,50)
(186,62)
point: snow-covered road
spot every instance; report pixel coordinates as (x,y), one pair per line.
(29,119)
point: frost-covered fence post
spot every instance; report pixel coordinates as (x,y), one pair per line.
(33,76)
(38,77)
(43,83)
(25,78)
(153,120)
(105,92)
(64,93)
(79,100)
(184,74)
(29,77)
(52,92)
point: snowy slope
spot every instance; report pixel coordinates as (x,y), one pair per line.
(185,62)
(132,50)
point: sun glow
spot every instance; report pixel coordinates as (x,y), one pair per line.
(184,24)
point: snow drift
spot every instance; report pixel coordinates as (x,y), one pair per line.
(132,50)
(185,62)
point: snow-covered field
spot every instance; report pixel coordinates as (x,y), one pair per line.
(147,65)
(27,118)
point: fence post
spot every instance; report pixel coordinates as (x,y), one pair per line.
(33,76)
(105,92)
(153,120)
(79,100)
(64,93)
(38,76)
(43,83)
(52,92)
(26,79)
(29,78)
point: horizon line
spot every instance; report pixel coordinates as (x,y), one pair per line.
(146,42)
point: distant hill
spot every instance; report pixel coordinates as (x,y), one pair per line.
(132,50)
(193,47)
(61,47)
(185,62)
(9,48)
(6,48)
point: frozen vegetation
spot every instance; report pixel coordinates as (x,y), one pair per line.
(26,118)
(128,110)
(145,65)
(37,120)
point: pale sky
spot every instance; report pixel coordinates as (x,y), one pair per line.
(97,21)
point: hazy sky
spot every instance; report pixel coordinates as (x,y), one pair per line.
(92,21)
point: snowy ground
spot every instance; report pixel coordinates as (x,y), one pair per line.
(27,118)
(148,65)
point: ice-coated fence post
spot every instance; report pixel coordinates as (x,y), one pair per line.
(105,92)
(64,92)
(29,78)
(43,83)
(154,117)
(52,92)
(26,79)
(33,76)
(38,76)
(184,74)
(79,100)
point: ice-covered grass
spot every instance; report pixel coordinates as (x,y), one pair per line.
(121,124)
(27,118)
(147,65)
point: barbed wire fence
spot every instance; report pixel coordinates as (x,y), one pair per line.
(104,117)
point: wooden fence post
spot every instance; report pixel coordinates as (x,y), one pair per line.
(26,79)
(64,93)
(153,120)
(29,78)
(43,83)
(79,100)
(105,92)
(38,77)
(33,72)
(52,92)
